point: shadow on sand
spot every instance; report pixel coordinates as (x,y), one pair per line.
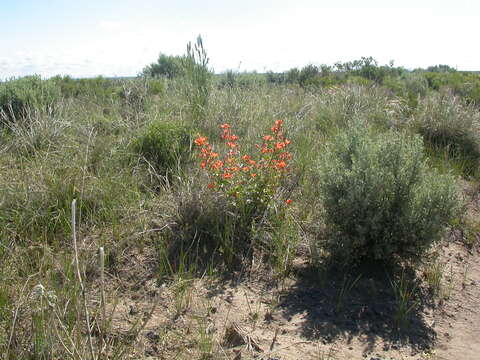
(359,303)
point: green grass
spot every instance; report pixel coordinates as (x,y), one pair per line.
(405,292)
(451,129)
(123,151)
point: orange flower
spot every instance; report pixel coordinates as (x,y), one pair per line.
(201,141)
(226,165)
(285,155)
(217,164)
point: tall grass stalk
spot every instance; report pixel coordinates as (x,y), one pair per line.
(101,254)
(80,280)
(197,78)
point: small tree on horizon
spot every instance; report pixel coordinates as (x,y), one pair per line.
(166,66)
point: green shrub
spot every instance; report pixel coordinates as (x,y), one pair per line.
(416,84)
(441,69)
(99,88)
(156,86)
(411,86)
(292,76)
(275,78)
(463,84)
(381,200)
(359,81)
(250,80)
(19,97)
(466,85)
(164,145)
(166,66)
(309,76)
(448,124)
(416,87)
(367,67)
(228,79)
(395,85)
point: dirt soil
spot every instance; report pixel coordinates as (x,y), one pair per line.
(328,315)
(311,315)
(457,321)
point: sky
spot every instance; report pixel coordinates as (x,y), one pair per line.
(85,38)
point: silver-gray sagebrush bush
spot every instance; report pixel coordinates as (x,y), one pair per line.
(381,200)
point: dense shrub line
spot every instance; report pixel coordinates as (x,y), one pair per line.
(20,97)
(366,71)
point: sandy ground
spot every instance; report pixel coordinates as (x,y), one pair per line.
(310,316)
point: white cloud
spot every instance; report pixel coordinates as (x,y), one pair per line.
(110,25)
(412,37)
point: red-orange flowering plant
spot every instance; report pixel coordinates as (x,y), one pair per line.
(250,180)
(244,182)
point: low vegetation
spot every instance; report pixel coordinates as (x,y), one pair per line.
(181,174)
